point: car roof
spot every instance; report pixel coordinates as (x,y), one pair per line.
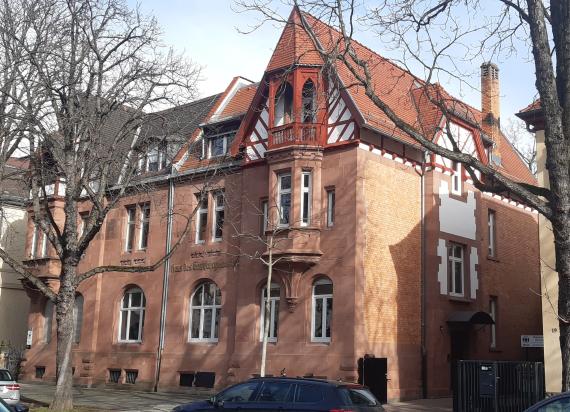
(301,379)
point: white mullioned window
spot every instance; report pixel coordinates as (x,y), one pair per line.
(493,313)
(218,223)
(201,219)
(306,198)
(284,198)
(205,308)
(331,202)
(492,238)
(274,298)
(218,144)
(322,307)
(131,322)
(456,266)
(130,229)
(145,226)
(456,179)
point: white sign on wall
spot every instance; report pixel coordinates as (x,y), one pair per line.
(29,338)
(532,341)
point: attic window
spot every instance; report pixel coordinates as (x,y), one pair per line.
(154,159)
(219,144)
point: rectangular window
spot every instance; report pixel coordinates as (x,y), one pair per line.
(284,198)
(305,198)
(492,238)
(456,269)
(152,160)
(145,226)
(82,224)
(201,219)
(330,207)
(456,179)
(43,252)
(493,313)
(218,228)
(34,244)
(273,313)
(265,216)
(218,144)
(130,232)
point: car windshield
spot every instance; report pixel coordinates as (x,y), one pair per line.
(238,393)
(361,396)
(5,376)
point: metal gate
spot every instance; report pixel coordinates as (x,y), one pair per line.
(373,372)
(497,386)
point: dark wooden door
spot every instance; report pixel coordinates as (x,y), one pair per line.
(373,372)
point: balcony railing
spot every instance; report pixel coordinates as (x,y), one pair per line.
(294,134)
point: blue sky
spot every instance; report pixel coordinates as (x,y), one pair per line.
(206,30)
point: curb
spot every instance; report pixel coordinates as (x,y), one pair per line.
(34,401)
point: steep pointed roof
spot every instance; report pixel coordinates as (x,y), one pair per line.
(294,46)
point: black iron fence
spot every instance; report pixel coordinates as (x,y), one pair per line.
(497,386)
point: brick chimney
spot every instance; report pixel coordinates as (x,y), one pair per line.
(491,106)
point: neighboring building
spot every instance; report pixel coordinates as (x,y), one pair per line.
(14,302)
(417,262)
(534,117)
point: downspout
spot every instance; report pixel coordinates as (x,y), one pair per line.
(423,287)
(163,305)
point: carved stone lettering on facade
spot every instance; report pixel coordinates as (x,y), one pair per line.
(201,266)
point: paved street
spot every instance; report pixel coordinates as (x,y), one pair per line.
(131,401)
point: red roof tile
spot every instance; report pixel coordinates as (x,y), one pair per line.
(240,102)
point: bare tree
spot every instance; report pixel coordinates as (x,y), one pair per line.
(78,77)
(434,38)
(523,142)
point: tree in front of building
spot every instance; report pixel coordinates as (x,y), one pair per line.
(77,78)
(441,39)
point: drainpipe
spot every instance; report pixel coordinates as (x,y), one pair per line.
(423,288)
(170,209)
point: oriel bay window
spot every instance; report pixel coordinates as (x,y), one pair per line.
(306,198)
(132,312)
(272,314)
(309,106)
(284,198)
(456,268)
(205,307)
(322,307)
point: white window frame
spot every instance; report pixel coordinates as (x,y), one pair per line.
(325,298)
(126,311)
(331,206)
(130,229)
(308,190)
(281,192)
(218,207)
(34,245)
(223,136)
(144,220)
(265,216)
(274,303)
(44,249)
(456,179)
(216,312)
(453,259)
(200,214)
(492,225)
(493,313)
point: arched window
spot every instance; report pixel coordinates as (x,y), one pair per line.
(309,106)
(205,306)
(273,313)
(132,316)
(283,105)
(48,318)
(77,318)
(322,310)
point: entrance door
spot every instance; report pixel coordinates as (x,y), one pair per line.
(373,372)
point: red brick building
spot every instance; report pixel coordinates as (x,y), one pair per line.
(384,249)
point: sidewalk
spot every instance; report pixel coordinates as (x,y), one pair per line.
(131,401)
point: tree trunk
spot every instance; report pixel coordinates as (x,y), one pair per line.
(63,397)
(267,309)
(562,245)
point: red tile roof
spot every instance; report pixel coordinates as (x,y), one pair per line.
(240,102)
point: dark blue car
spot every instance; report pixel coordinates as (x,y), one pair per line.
(554,404)
(289,394)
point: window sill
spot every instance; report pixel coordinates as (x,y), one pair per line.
(203,342)
(129,342)
(493,259)
(321,342)
(495,350)
(460,299)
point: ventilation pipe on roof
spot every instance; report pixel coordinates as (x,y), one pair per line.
(491,108)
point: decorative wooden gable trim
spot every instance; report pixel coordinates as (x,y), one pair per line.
(341,126)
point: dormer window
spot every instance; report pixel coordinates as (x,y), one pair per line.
(309,106)
(154,159)
(284,105)
(218,144)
